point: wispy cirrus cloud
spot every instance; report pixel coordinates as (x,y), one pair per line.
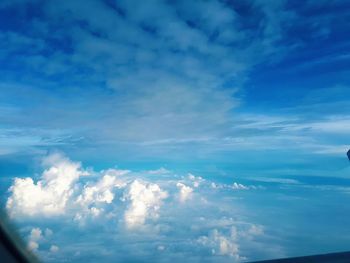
(149,68)
(152,77)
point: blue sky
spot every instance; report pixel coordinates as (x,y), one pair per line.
(248,92)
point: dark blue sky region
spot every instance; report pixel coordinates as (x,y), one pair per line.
(201,130)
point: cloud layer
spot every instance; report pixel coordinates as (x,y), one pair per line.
(125,202)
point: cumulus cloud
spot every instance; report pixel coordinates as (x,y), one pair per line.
(35,234)
(54,249)
(32,245)
(58,191)
(195,180)
(49,195)
(96,194)
(127,202)
(184,191)
(221,244)
(37,237)
(34,237)
(145,200)
(226,241)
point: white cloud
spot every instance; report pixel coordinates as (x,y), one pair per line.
(36,234)
(48,196)
(35,237)
(126,201)
(145,201)
(96,194)
(58,192)
(32,245)
(238,186)
(234,186)
(54,249)
(185,191)
(228,236)
(196,180)
(221,244)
